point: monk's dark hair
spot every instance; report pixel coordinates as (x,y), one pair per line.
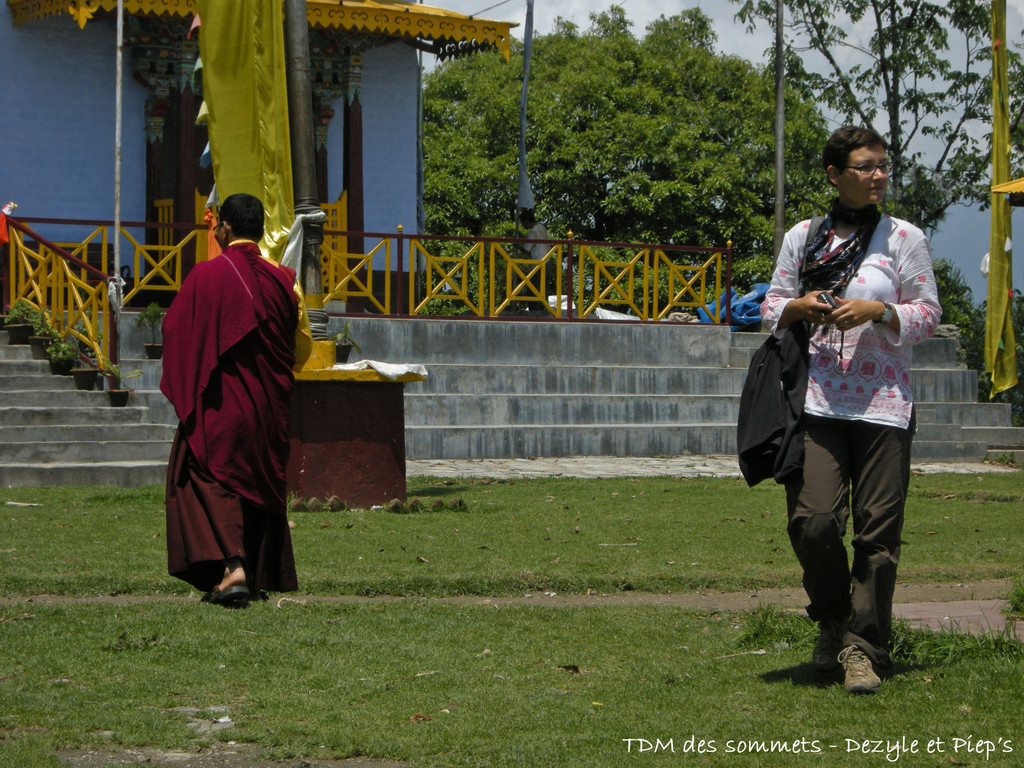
(245,215)
(844,141)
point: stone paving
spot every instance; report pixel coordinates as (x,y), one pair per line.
(614,466)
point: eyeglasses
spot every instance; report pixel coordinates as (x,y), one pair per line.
(870,168)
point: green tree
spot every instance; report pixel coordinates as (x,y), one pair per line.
(656,140)
(959,309)
(918,72)
(1014,395)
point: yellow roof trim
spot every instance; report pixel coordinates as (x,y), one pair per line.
(411,20)
(1017,185)
(394,19)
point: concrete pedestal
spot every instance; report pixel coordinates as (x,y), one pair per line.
(347,439)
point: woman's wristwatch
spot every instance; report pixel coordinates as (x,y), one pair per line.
(887,314)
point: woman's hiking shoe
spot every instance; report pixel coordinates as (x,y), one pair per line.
(825,656)
(860,674)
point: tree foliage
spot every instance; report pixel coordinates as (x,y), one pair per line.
(918,72)
(655,140)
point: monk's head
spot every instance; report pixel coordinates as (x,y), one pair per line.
(240,218)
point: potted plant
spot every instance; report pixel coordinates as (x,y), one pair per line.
(151,318)
(119,392)
(43,333)
(19,322)
(343,345)
(85,378)
(63,354)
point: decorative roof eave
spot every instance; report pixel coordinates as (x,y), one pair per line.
(1017,185)
(449,33)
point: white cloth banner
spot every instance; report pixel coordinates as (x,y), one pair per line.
(389,371)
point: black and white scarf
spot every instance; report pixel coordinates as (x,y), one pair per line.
(826,269)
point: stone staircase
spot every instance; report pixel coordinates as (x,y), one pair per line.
(510,388)
(517,388)
(53,434)
(951,424)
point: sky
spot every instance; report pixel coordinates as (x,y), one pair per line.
(962,238)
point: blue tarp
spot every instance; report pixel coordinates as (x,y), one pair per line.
(746,309)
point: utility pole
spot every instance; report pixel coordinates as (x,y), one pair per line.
(780,132)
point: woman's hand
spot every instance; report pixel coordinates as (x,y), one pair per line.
(853,312)
(808,307)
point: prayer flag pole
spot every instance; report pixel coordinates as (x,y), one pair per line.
(1000,345)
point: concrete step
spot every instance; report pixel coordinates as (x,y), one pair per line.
(48,451)
(577,379)
(32,380)
(160,409)
(13,351)
(524,440)
(930,353)
(948,432)
(123,474)
(944,385)
(1014,456)
(427,341)
(79,432)
(997,437)
(965,414)
(553,410)
(68,397)
(948,450)
(98,416)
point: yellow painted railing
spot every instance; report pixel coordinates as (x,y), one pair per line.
(164,215)
(570,279)
(71,278)
(492,276)
(156,267)
(50,275)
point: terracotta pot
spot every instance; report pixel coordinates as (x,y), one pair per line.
(341,352)
(119,397)
(62,368)
(18,333)
(85,378)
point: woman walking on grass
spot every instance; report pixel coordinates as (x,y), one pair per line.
(864,284)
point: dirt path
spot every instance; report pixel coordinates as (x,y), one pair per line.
(708,600)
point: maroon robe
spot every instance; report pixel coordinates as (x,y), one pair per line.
(227,370)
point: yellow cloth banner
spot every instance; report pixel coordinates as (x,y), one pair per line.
(241,43)
(1000,346)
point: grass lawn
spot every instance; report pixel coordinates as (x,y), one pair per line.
(454,684)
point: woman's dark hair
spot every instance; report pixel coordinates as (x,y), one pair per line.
(844,141)
(245,215)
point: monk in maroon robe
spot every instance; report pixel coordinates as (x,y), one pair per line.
(229,350)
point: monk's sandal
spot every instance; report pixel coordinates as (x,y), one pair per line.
(860,674)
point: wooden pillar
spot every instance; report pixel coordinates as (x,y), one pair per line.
(188,168)
(156,109)
(322,122)
(352,174)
